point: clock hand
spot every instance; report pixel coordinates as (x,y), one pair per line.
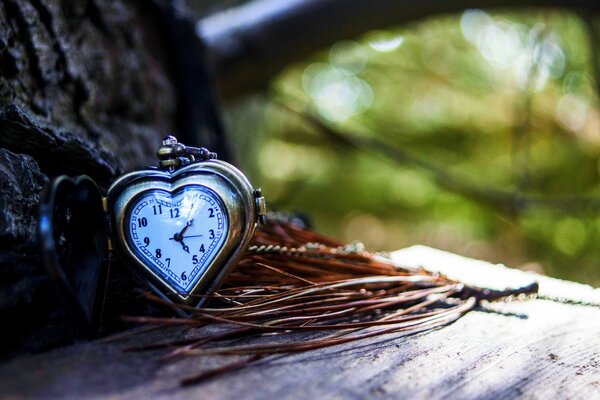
(180,240)
(178,237)
(185,228)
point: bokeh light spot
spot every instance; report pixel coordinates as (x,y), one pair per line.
(337,93)
(571,112)
(386,43)
(570,236)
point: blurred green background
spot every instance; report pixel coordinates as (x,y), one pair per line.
(477,133)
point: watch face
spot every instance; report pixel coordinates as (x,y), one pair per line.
(177,235)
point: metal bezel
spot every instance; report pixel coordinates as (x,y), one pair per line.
(234,191)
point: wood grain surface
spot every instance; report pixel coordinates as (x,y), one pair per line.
(522,349)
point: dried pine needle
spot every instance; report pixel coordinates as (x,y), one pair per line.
(293,280)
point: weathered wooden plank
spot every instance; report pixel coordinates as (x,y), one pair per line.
(533,349)
(493,276)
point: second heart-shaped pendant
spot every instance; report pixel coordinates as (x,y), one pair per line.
(183,230)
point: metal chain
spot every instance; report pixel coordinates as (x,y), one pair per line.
(564,300)
(316,250)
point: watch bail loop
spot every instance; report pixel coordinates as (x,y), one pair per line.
(172,154)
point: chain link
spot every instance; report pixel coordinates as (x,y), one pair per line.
(316,250)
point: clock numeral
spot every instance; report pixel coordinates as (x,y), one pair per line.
(168,261)
(202,248)
(158,253)
(211,213)
(195,259)
(159,209)
(174,212)
(183,276)
(146,241)
(211,234)
(142,222)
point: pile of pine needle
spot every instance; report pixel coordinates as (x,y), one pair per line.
(293,280)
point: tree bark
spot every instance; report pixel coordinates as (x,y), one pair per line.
(86,87)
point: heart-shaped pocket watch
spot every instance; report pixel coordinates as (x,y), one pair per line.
(180,227)
(183,226)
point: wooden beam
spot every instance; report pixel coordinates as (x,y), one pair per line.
(253,42)
(530,349)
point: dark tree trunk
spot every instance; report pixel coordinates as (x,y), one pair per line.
(86,87)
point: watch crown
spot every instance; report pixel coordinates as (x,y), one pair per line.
(261,206)
(169,140)
(172,154)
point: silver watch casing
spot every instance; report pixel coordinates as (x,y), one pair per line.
(241,202)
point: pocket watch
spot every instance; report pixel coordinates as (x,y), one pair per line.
(180,227)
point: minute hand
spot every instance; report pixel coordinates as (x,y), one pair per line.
(178,237)
(185,228)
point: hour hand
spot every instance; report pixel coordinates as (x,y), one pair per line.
(178,238)
(185,248)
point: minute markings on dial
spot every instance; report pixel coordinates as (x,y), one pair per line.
(174,266)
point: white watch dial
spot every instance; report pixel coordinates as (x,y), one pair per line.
(177,235)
